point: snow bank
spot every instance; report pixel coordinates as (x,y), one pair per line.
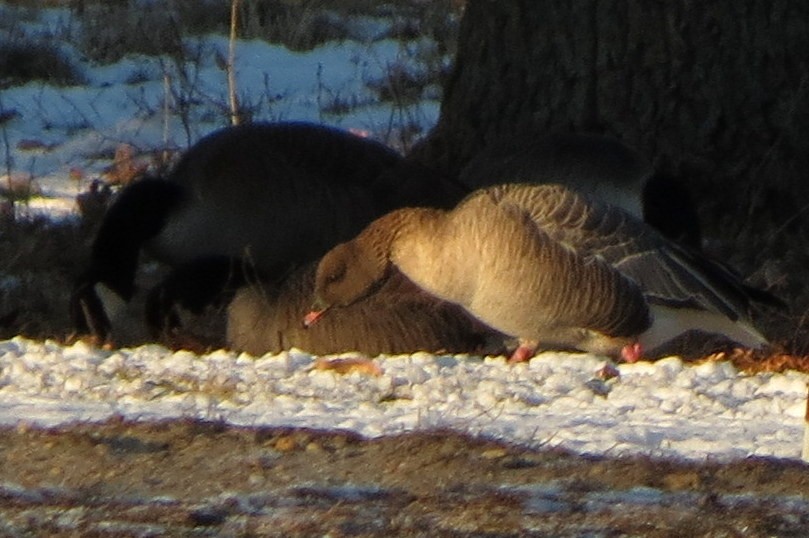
(664,408)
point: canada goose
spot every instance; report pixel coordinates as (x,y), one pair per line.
(599,166)
(267,195)
(264,317)
(547,265)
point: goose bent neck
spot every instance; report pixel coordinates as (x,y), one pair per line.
(423,249)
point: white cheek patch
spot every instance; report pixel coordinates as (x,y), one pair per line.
(113,304)
(127,322)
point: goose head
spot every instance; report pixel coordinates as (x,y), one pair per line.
(137,214)
(355,269)
(346,274)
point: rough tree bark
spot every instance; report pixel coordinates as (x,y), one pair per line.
(714,91)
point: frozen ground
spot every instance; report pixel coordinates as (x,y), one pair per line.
(667,408)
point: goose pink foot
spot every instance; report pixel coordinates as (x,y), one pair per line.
(524,352)
(632,352)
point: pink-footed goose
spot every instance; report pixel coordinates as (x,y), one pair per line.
(397,318)
(546,265)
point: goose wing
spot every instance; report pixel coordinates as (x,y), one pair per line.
(561,287)
(667,273)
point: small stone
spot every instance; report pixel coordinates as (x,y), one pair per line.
(678,481)
(207,517)
(348,365)
(286,443)
(314,447)
(494,453)
(598,386)
(607,372)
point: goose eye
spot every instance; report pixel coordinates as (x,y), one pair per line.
(337,275)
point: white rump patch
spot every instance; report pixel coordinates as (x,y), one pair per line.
(668,323)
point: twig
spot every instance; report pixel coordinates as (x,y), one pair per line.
(166,111)
(6,147)
(235,116)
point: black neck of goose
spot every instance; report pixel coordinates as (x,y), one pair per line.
(138,214)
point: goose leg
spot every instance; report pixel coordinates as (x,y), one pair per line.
(632,352)
(527,349)
(524,352)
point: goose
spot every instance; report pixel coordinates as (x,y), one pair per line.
(547,265)
(599,166)
(262,197)
(264,317)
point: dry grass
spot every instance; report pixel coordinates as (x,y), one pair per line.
(113,29)
(23,60)
(754,362)
(39,260)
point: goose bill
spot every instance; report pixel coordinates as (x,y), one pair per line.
(312,317)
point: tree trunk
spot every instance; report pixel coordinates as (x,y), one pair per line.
(714,92)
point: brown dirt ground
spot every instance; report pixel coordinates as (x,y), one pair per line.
(186,478)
